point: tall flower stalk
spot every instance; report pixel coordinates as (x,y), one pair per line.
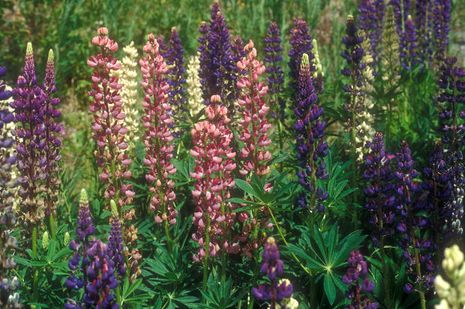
(108,122)
(53,135)
(129,97)
(218,72)
(158,137)
(253,133)
(358,104)
(177,79)
(213,176)
(311,145)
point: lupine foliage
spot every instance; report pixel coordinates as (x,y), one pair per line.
(278,125)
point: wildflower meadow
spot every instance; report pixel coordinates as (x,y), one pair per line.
(232,154)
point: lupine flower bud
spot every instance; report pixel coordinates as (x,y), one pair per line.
(273,62)
(158,137)
(452,291)
(359,283)
(45,240)
(194,89)
(214,167)
(311,145)
(66,238)
(108,124)
(115,242)
(218,71)
(278,292)
(129,97)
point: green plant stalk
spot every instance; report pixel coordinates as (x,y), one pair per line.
(169,241)
(387,296)
(280,232)
(35,283)
(207,255)
(52,225)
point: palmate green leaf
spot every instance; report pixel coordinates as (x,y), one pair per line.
(330,288)
(246,187)
(311,262)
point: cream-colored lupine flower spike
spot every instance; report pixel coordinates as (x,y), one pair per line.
(194,89)
(316,60)
(452,291)
(364,130)
(128,79)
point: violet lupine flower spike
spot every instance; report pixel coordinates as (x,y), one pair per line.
(177,79)
(301,43)
(158,137)
(408,54)
(218,71)
(53,135)
(108,123)
(359,283)
(441,20)
(29,110)
(311,145)
(412,225)
(370,20)
(213,175)
(452,128)
(379,192)
(115,242)
(274,71)
(9,298)
(278,293)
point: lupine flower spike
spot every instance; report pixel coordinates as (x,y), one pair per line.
(214,166)
(29,113)
(358,105)
(273,59)
(9,298)
(53,134)
(278,293)
(451,290)
(108,123)
(158,137)
(310,142)
(301,43)
(129,97)
(194,89)
(218,71)
(115,242)
(359,283)
(177,78)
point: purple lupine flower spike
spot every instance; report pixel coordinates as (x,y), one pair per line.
(301,43)
(238,49)
(379,192)
(29,110)
(441,20)
(218,73)
(311,145)
(115,242)
(359,283)
(277,292)
(414,229)
(451,120)
(370,19)
(53,134)
(408,54)
(275,76)
(177,77)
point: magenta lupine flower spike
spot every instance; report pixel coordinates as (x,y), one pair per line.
(214,160)
(53,134)
(158,138)
(108,125)
(28,105)
(253,129)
